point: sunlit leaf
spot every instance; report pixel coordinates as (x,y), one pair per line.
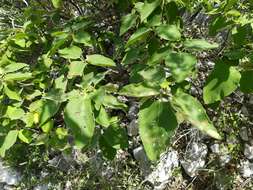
(157,123)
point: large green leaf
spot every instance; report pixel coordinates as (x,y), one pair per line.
(139,35)
(78,116)
(168,32)
(116,137)
(82,37)
(72,52)
(9,141)
(48,109)
(223,80)
(76,69)
(127,22)
(100,60)
(17,76)
(181,65)
(157,123)
(139,90)
(14,67)
(12,94)
(199,44)
(145,9)
(192,110)
(246,82)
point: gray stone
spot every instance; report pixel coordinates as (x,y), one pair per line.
(194,158)
(215,148)
(133,110)
(41,187)
(141,157)
(224,159)
(246,169)
(132,128)
(163,171)
(245,111)
(244,133)
(9,175)
(248,151)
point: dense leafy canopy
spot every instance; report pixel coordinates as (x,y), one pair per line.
(64,65)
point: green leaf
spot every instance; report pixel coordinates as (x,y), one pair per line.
(72,52)
(191,110)
(47,127)
(17,76)
(25,135)
(78,116)
(56,3)
(139,90)
(14,67)
(108,151)
(47,110)
(116,137)
(9,141)
(168,32)
(127,22)
(246,82)
(223,80)
(83,38)
(181,65)
(139,35)
(199,44)
(14,113)
(76,69)
(145,9)
(157,123)
(103,118)
(12,94)
(100,60)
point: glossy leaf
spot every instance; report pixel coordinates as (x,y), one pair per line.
(100,60)
(192,110)
(157,123)
(139,90)
(139,35)
(199,44)
(83,38)
(181,65)
(145,9)
(9,140)
(78,116)
(17,76)
(223,80)
(168,32)
(76,69)
(127,22)
(72,52)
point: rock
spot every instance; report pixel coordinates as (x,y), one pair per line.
(9,187)
(244,133)
(163,172)
(41,187)
(215,148)
(194,158)
(222,153)
(246,169)
(224,159)
(141,157)
(245,111)
(60,163)
(132,128)
(248,151)
(133,110)
(9,175)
